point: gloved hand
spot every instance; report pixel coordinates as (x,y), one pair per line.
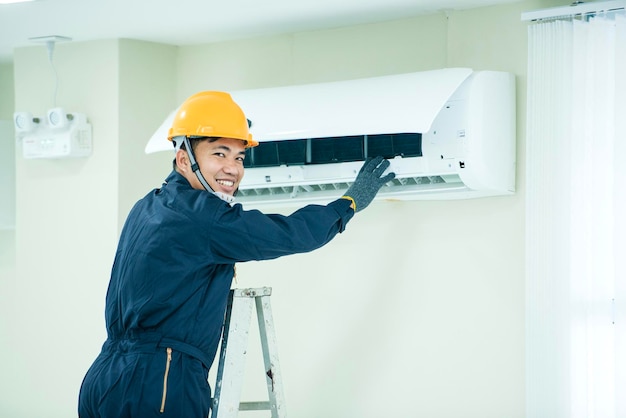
(368,182)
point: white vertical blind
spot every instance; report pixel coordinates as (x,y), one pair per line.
(619,309)
(575,234)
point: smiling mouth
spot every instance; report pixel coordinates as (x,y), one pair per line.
(225,183)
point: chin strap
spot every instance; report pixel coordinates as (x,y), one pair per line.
(196,169)
(225,197)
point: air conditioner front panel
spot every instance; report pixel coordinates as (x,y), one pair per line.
(353,107)
(378,105)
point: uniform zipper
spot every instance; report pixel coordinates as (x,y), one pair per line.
(167,372)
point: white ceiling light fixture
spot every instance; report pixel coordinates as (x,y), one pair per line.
(58,135)
(57,118)
(24,121)
(50,41)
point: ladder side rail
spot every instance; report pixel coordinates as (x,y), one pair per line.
(270,356)
(231,367)
(223,349)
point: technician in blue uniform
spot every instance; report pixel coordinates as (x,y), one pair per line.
(175,263)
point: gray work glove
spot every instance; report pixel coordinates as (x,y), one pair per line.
(368,182)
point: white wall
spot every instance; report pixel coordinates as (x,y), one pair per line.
(65,231)
(7,156)
(147,88)
(7,207)
(68,214)
(416,310)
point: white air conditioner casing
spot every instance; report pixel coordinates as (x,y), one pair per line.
(466,120)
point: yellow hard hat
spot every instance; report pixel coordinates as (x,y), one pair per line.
(211,113)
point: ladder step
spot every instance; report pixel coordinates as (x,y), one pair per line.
(255,406)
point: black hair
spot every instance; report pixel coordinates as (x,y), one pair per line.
(193,141)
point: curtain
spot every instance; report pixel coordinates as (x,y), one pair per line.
(576,218)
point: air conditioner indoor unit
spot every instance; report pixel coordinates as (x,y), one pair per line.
(449,134)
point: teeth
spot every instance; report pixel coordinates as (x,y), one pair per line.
(226,183)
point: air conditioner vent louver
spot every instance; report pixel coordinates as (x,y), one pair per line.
(294,190)
(325,192)
(333,150)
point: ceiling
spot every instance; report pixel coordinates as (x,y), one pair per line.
(188,22)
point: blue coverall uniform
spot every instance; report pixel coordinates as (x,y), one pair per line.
(168,292)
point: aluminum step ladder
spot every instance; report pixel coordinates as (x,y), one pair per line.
(226,402)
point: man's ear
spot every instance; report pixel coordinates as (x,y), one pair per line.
(182,160)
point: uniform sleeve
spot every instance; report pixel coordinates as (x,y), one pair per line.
(240,235)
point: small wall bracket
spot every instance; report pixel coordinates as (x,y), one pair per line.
(50,41)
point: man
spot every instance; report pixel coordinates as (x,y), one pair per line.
(175,262)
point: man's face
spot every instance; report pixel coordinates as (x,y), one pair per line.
(221,164)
